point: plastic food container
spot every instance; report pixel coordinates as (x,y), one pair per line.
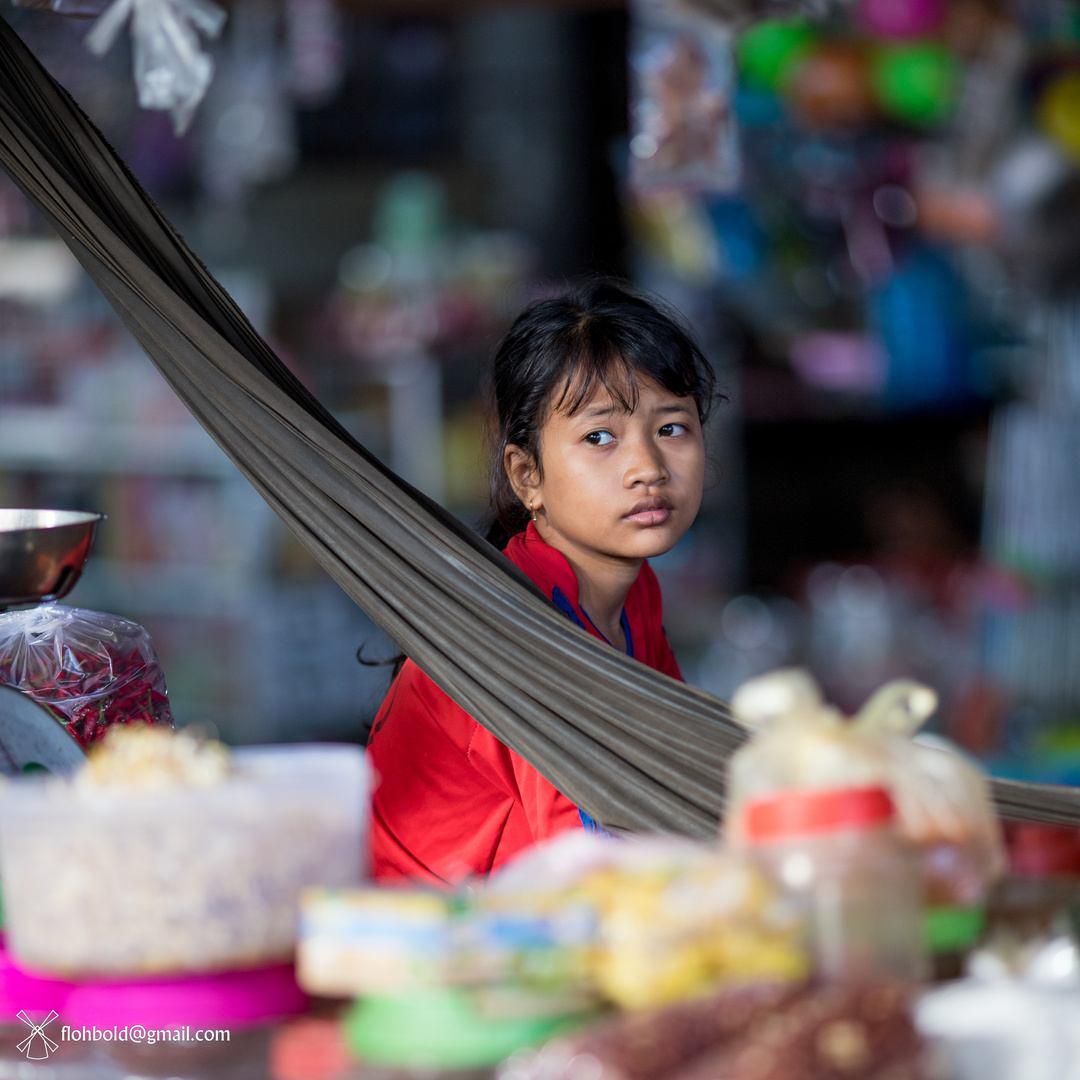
(838,856)
(123,881)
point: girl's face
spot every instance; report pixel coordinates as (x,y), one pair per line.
(615,483)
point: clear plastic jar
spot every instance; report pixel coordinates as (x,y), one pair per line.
(126,881)
(857,883)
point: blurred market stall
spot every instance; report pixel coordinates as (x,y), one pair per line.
(865,209)
(888,250)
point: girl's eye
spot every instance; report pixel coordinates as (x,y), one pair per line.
(673,429)
(599,438)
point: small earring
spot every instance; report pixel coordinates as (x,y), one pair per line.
(533,509)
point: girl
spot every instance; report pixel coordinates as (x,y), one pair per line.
(600,463)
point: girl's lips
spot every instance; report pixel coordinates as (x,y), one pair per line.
(649,517)
(651,511)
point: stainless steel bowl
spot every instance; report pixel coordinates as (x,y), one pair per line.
(42,553)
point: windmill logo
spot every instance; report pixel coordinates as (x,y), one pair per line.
(37,1046)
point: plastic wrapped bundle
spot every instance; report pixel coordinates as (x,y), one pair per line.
(91,670)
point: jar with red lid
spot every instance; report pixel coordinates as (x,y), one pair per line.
(837,855)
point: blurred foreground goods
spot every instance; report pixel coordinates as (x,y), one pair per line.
(862,1032)
(887,845)
(576,922)
(164,856)
(1014,1017)
(689,939)
(792,950)
(778,954)
(942,801)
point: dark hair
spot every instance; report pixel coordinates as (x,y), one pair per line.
(558,349)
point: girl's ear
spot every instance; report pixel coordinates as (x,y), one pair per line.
(522,473)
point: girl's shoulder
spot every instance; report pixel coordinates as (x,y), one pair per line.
(415,701)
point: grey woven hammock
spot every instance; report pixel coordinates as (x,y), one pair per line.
(635,749)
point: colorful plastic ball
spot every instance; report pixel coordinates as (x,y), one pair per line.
(1058,111)
(900,19)
(916,83)
(831,88)
(771,50)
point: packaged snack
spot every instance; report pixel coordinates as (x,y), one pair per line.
(568,926)
(397,941)
(373,941)
(91,670)
(674,919)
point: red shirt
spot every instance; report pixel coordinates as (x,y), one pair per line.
(452,801)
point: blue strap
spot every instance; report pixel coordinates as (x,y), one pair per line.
(564,605)
(629,638)
(562,602)
(590,826)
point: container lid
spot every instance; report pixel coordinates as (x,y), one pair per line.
(232,999)
(440,1028)
(790,814)
(948,929)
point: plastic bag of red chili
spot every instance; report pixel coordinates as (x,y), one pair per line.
(91,670)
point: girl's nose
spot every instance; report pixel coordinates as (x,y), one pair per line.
(647,465)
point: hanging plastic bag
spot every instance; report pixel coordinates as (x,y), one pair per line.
(942,800)
(91,670)
(79,9)
(171,70)
(683,87)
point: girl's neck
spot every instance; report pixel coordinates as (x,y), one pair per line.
(603,584)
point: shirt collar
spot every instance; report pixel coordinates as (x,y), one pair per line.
(552,573)
(547,566)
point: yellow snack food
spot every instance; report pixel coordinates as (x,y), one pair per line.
(673,919)
(153,757)
(666,938)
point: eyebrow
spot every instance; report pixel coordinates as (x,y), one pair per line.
(597,411)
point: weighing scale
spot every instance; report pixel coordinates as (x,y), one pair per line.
(42,555)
